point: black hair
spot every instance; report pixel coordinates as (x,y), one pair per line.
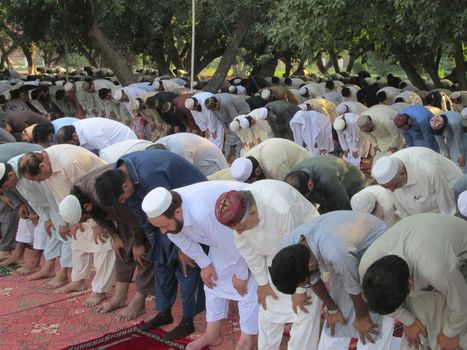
(299,180)
(65,133)
(108,186)
(151,102)
(402,84)
(289,268)
(157,146)
(8,168)
(34,94)
(345,92)
(174,205)
(60,94)
(41,132)
(103,93)
(385,284)
(288,81)
(330,85)
(84,198)
(381,96)
(255,163)
(275,80)
(398,100)
(29,163)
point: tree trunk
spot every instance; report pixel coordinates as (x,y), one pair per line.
(460,66)
(301,67)
(288,65)
(110,55)
(88,55)
(321,66)
(243,26)
(265,69)
(335,61)
(29,53)
(413,74)
(433,73)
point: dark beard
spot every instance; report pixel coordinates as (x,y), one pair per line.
(178,227)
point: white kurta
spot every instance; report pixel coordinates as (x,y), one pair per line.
(112,153)
(197,150)
(435,248)
(430,179)
(353,107)
(384,204)
(98,133)
(201,227)
(352,140)
(281,208)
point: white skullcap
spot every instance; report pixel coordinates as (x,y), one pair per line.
(342,109)
(156,202)
(363,202)
(189,103)
(235,125)
(303,107)
(339,124)
(232,89)
(134,105)
(244,123)
(303,91)
(259,113)
(117,95)
(237,81)
(241,169)
(70,210)
(2,170)
(455,95)
(385,169)
(462,203)
(68,86)
(265,94)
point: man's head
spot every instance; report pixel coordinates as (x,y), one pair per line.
(292,267)
(67,134)
(78,207)
(114,186)
(340,124)
(8,178)
(69,88)
(212,103)
(44,91)
(164,210)
(237,210)
(386,284)
(382,97)
(247,170)
(438,123)
(105,94)
(193,104)
(35,166)
(402,121)
(120,96)
(43,134)
(88,85)
(301,181)
(27,134)
(390,173)
(365,123)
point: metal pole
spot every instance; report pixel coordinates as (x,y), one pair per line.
(192,75)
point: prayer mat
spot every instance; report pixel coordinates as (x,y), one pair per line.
(7,270)
(132,338)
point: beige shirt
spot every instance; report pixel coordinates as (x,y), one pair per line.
(430,179)
(278,156)
(69,164)
(435,249)
(281,208)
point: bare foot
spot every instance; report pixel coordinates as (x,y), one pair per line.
(115,302)
(58,281)
(135,308)
(12,259)
(94,299)
(4,255)
(203,341)
(43,273)
(25,270)
(246,342)
(76,286)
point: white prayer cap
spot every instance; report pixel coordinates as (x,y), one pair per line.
(70,210)
(265,94)
(455,95)
(232,89)
(385,169)
(259,113)
(303,107)
(363,202)
(339,124)
(117,95)
(342,109)
(68,86)
(235,125)
(244,123)
(303,91)
(462,203)
(134,105)
(241,169)
(2,170)
(237,81)
(156,202)
(189,103)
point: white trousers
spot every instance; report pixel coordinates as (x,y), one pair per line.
(386,342)
(305,326)
(25,233)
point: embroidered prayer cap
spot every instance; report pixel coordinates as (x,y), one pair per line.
(230,208)
(401,120)
(70,210)
(436,122)
(28,130)
(363,121)
(241,169)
